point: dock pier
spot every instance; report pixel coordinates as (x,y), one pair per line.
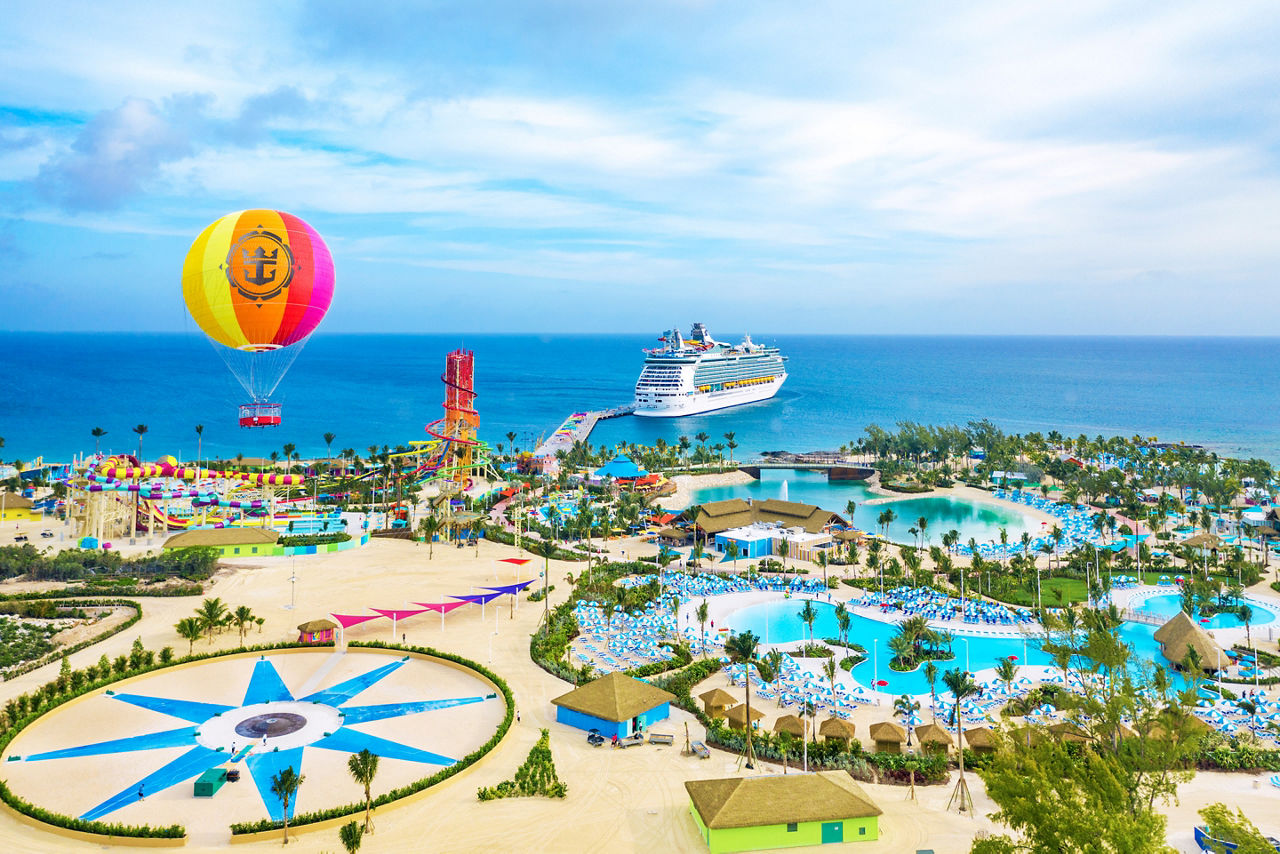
(577,428)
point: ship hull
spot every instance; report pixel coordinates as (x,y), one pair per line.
(698,404)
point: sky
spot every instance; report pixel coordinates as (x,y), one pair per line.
(587,165)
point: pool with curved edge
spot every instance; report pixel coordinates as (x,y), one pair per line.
(779,622)
(1167,605)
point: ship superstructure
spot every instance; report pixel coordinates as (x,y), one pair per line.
(687,376)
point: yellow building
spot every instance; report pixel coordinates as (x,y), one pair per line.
(15,508)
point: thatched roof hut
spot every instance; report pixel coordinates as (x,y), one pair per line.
(1202,541)
(1181,634)
(779,800)
(981,739)
(837,729)
(614,697)
(933,736)
(737,716)
(790,724)
(715,701)
(888,736)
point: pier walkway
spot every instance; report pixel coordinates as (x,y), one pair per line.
(577,428)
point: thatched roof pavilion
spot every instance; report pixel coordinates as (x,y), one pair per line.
(737,716)
(1181,634)
(715,701)
(888,736)
(837,729)
(789,724)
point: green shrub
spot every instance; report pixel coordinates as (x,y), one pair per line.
(537,776)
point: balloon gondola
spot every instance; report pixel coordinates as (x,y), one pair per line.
(258,283)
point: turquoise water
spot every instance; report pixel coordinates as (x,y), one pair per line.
(1170,604)
(979,520)
(779,622)
(382,389)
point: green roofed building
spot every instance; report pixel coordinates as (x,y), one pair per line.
(755,813)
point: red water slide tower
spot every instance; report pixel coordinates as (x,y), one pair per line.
(461,421)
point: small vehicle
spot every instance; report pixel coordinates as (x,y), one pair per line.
(700,750)
(595,739)
(48,535)
(630,741)
(20,538)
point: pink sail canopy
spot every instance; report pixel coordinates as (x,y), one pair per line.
(349,620)
(399,615)
(518,561)
(442,607)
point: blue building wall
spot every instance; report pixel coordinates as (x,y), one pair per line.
(747,548)
(586,722)
(609,728)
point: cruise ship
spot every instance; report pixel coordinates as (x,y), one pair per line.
(687,376)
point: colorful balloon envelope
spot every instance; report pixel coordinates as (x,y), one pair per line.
(258,283)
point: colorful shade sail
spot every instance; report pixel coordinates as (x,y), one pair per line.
(349,620)
(442,607)
(399,614)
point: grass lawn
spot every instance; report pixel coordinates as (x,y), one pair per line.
(1073,590)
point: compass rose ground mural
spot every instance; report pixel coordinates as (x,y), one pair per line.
(257,715)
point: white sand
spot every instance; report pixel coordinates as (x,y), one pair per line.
(631,800)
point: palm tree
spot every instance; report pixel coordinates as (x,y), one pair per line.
(931,676)
(844,621)
(784,547)
(731,551)
(211,613)
(363,766)
(97,433)
(741,649)
(922,525)
(141,430)
(728,438)
(544,549)
(350,835)
(189,629)
(906,707)
(1245,613)
(808,614)
(284,786)
(242,618)
(702,612)
(430,526)
(199,443)
(1006,672)
(328,444)
(961,685)
(511,438)
(829,670)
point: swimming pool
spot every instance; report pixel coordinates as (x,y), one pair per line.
(1169,604)
(979,520)
(779,622)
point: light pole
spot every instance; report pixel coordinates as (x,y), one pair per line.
(875,665)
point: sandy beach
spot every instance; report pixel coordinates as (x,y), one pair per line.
(686,483)
(618,800)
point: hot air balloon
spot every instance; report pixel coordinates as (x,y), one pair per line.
(258,283)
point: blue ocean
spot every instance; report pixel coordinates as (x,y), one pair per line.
(382,389)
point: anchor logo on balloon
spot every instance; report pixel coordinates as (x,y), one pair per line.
(259,266)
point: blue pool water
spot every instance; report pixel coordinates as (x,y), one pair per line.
(779,622)
(1169,604)
(980,520)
